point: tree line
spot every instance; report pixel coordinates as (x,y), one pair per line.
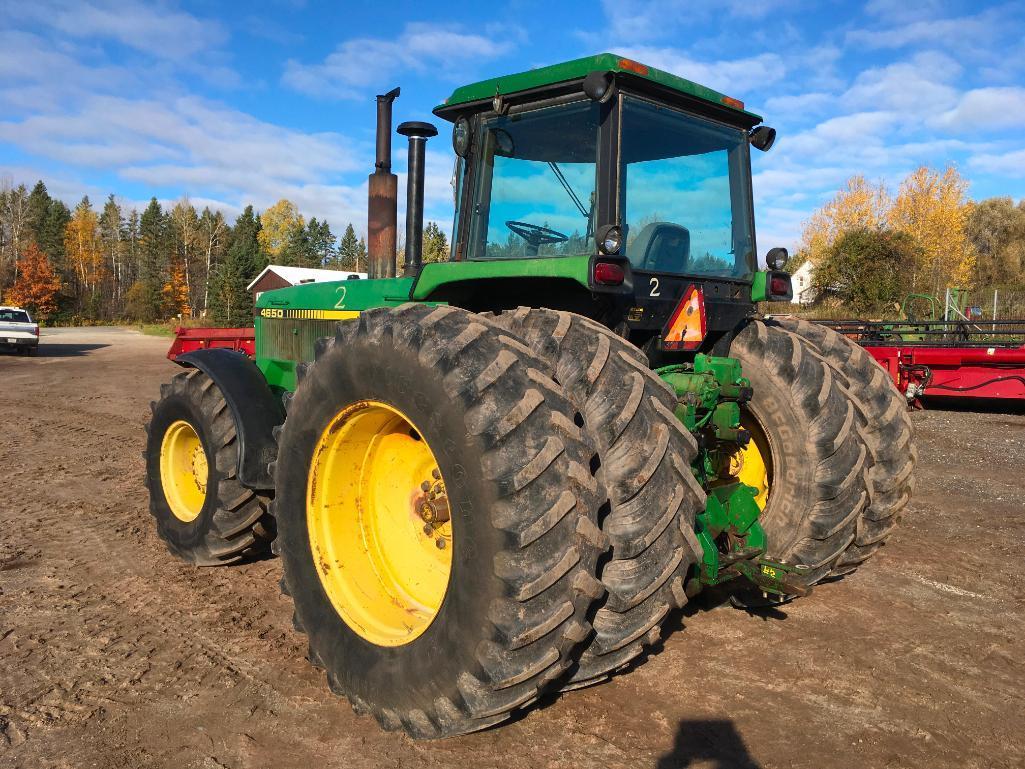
(870,248)
(112,264)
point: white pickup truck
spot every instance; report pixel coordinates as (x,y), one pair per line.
(18,331)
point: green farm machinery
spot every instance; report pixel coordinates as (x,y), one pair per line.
(495,477)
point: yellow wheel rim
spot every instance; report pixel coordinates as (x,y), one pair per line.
(184,471)
(378,519)
(753,463)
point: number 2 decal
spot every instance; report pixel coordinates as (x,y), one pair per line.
(340,304)
(653,282)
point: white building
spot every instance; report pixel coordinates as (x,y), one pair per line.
(801,279)
(277,276)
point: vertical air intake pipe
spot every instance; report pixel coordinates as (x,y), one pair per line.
(418,134)
(382,193)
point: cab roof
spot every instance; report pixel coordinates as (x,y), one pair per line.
(577,69)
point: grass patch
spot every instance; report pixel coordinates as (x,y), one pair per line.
(156,329)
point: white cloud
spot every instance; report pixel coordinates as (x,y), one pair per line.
(366,62)
(732,77)
(642,20)
(202,148)
(804,103)
(923,80)
(156,30)
(1006,164)
(987,109)
(920,27)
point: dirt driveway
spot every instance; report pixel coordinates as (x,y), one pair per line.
(113,654)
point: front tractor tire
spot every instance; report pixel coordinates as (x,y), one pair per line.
(807,458)
(203,514)
(645,455)
(437,516)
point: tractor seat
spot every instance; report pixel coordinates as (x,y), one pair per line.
(661,247)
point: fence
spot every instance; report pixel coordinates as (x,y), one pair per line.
(999,304)
(979,304)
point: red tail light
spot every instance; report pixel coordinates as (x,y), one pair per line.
(779,286)
(608,274)
(35,330)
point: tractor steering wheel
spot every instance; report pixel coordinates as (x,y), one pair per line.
(536,235)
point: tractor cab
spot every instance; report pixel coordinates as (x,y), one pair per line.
(645,175)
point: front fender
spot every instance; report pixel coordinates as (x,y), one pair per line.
(254,407)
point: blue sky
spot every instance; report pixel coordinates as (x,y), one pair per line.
(235,104)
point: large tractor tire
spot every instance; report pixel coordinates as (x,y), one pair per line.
(806,457)
(645,455)
(884,424)
(437,514)
(203,514)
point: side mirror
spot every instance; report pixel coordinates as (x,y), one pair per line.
(461,137)
(762,138)
(777,257)
(598,86)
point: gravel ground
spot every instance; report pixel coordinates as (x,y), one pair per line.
(113,654)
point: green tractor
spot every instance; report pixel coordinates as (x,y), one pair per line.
(494,477)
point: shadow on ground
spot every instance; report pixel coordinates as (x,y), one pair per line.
(66,349)
(712,743)
(977,405)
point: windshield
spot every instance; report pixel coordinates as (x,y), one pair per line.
(14,316)
(685,193)
(535,193)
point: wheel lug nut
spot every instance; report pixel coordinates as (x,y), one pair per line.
(440,542)
(425,486)
(436,474)
(428,529)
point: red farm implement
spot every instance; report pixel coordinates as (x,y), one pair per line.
(946,359)
(192,339)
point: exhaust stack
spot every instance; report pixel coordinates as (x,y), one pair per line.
(382,194)
(418,134)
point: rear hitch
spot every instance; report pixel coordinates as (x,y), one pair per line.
(733,544)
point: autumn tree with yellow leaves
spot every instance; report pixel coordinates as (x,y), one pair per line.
(859,205)
(175,292)
(933,209)
(930,207)
(279,224)
(83,247)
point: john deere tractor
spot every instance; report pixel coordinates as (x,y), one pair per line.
(495,476)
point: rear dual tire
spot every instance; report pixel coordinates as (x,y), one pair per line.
(884,425)
(517,470)
(838,440)
(645,455)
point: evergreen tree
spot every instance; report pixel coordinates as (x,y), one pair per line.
(361,256)
(230,301)
(39,202)
(153,262)
(322,243)
(153,251)
(348,250)
(51,234)
(435,244)
(297,250)
(47,219)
